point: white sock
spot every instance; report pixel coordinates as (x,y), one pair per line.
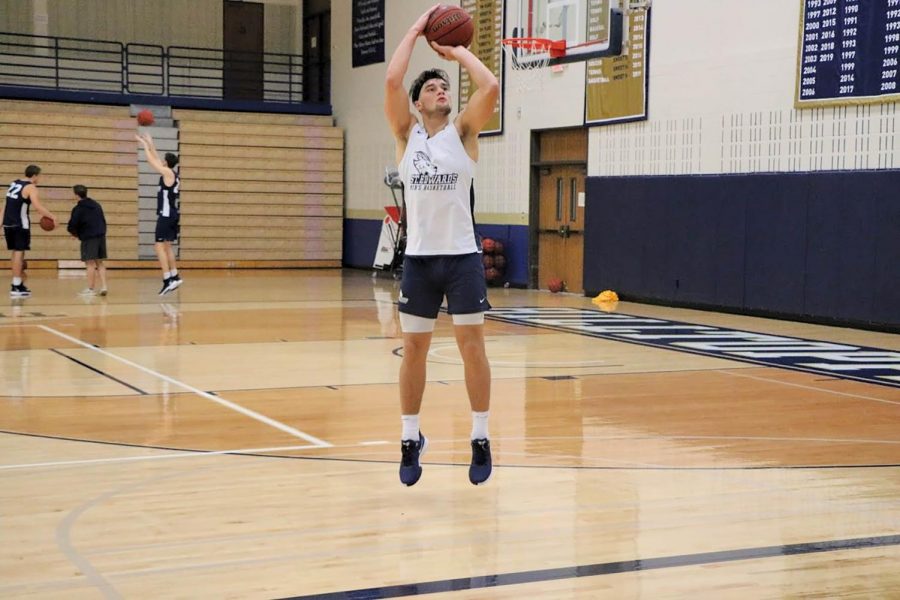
(480,425)
(410,427)
(174,272)
(167,275)
(17,281)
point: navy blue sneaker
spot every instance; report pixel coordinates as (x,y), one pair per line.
(480,469)
(412,451)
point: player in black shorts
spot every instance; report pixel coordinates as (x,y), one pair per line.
(21,194)
(167,212)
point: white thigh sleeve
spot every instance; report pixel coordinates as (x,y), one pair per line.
(414,324)
(469,319)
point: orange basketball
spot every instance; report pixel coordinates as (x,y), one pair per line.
(450,26)
(47,224)
(555,285)
(487,245)
(145,118)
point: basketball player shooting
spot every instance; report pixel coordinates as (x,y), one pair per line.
(437,159)
(167,212)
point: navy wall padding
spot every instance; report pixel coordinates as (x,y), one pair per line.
(822,246)
(361,237)
(775,247)
(360,241)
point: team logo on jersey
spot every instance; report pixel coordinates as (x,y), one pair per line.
(428,178)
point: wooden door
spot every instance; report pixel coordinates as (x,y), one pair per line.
(561,226)
(243,46)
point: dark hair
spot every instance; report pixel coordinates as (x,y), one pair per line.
(171,160)
(80,191)
(32,170)
(424,76)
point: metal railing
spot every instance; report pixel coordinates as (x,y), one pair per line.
(150,70)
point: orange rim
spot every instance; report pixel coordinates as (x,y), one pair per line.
(555,48)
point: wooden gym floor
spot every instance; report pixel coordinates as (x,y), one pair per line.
(238,439)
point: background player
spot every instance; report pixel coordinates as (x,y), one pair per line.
(167,212)
(21,194)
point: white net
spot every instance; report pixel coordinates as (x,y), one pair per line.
(527,58)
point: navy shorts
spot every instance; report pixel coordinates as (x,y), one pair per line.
(17,238)
(427,279)
(167,229)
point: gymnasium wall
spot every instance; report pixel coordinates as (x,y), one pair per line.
(722,78)
(722,81)
(821,246)
(191,23)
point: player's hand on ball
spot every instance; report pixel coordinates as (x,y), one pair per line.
(422,21)
(445,52)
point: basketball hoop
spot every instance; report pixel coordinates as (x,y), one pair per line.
(530,55)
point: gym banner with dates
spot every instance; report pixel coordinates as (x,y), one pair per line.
(487,16)
(616,86)
(848,53)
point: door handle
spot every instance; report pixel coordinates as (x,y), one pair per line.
(559,199)
(573,200)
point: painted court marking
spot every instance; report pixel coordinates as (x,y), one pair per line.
(180,454)
(217,399)
(844,361)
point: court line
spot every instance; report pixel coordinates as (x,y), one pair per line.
(217,399)
(341,458)
(809,387)
(180,454)
(610,568)
(98,371)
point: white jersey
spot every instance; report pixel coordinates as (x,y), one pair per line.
(437,173)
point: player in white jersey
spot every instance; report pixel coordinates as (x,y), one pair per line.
(437,158)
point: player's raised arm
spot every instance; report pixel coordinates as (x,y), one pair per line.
(396,100)
(481,105)
(153,158)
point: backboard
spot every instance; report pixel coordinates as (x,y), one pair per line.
(590,28)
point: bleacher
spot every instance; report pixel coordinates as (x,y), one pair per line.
(73,143)
(260,187)
(257,189)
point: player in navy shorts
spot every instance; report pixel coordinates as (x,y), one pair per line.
(168,213)
(437,162)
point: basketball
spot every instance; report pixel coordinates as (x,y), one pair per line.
(145,118)
(500,261)
(487,245)
(491,274)
(488,261)
(47,224)
(450,26)
(498,247)
(555,285)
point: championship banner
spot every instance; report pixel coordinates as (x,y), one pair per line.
(616,86)
(487,16)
